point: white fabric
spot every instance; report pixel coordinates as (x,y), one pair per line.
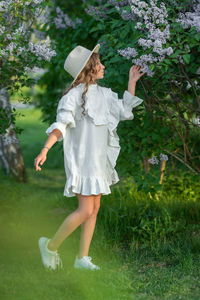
(90,143)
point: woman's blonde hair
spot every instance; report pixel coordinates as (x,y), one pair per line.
(87,76)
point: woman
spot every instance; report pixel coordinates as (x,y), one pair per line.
(86,122)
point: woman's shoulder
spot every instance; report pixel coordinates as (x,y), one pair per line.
(77,91)
(72,93)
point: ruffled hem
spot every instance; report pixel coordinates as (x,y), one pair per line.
(86,185)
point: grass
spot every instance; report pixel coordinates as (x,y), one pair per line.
(168,269)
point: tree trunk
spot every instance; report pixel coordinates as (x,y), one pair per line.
(10,151)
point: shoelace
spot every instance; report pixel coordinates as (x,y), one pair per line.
(58,260)
(88,258)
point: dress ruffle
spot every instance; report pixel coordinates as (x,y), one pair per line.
(57,125)
(119,110)
(95,105)
(109,110)
(66,111)
(86,185)
(99,111)
(122,108)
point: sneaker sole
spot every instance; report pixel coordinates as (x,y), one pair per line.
(82,268)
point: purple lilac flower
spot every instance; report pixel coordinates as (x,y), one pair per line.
(42,50)
(150,17)
(153,160)
(190,19)
(96,12)
(128,52)
(63,20)
(163,157)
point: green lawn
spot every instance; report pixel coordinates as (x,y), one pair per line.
(168,270)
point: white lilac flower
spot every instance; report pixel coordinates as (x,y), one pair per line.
(163,157)
(144,67)
(119,3)
(5,5)
(151,17)
(196,121)
(8,37)
(42,50)
(177,83)
(153,160)
(128,52)
(11,47)
(147,58)
(188,85)
(180,59)
(190,19)
(138,25)
(96,12)
(4,53)
(63,20)
(20,50)
(44,16)
(145,43)
(127,15)
(2,29)
(27,69)
(20,30)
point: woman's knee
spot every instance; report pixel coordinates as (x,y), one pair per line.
(86,205)
(96,204)
(87,212)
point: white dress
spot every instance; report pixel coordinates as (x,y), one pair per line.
(90,143)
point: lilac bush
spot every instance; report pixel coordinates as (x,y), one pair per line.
(163,38)
(24,44)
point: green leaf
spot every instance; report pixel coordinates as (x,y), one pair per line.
(114,59)
(197,37)
(186,58)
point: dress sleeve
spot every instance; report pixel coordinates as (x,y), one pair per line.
(122,108)
(66,111)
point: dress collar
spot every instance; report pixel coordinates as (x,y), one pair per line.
(90,85)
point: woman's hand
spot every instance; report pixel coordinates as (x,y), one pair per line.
(134,73)
(40,159)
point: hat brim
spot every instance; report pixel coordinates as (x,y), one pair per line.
(95,50)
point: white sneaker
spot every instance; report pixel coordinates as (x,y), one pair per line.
(50,259)
(85,263)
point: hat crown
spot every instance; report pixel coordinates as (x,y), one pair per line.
(77,59)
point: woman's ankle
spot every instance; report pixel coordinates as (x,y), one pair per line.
(80,256)
(50,246)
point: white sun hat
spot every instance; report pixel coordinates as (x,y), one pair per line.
(77,59)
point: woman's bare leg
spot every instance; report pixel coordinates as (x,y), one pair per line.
(87,228)
(85,209)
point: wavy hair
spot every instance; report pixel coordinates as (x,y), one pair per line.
(87,76)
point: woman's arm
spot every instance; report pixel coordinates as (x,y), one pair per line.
(131,86)
(134,75)
(52,139)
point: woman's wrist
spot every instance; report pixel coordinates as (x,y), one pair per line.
(131,86)
(132,81)
(45,149)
